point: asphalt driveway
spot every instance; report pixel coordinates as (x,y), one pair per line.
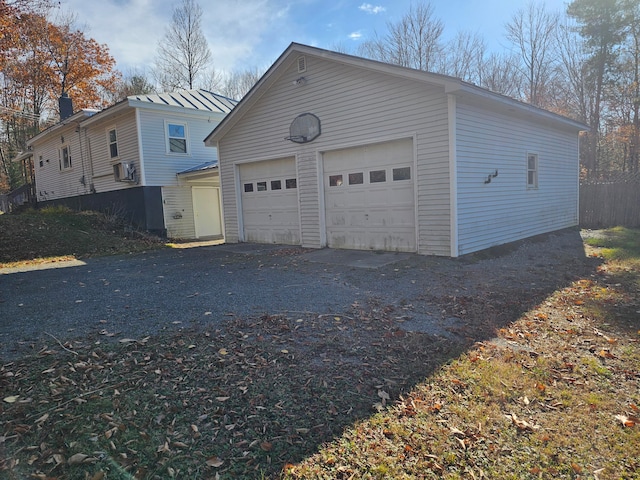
(138,295)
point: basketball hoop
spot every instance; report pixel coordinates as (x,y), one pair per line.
(304,128)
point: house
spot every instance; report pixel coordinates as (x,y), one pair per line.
(334,150)
(143,158)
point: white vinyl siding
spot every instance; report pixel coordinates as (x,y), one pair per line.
(341,96)
(160,167)
(178,212)
(52,182)
(504,209)
(100,155)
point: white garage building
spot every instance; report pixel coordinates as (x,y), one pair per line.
(334,150)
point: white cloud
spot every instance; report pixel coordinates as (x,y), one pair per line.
(367,7)
(355,35)
(236,31)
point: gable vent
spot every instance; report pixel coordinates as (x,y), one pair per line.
(302,64)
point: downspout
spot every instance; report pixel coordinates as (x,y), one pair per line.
(142,179)
(84,176)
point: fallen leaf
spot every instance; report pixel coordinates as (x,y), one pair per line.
(42,419)
(604,353)
(384,396)
(127,340)
(266,446)
(214,462)
(79,458)
(223,351)
(11,398)
(522,425)
(628,421)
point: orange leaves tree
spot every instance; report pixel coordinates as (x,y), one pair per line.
(40,59)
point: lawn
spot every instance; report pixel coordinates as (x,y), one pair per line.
(555,394)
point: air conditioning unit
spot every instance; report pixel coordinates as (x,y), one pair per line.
(125,172)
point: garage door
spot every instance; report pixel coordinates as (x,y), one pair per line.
(369,197)
(269,193)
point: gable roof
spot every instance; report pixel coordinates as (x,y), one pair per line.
(201,101)
(451,85)
(76,118)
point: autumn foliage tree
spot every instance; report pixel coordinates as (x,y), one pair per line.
(40,59)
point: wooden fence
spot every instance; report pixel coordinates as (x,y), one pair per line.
(610,203)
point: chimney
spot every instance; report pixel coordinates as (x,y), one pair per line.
(66,106)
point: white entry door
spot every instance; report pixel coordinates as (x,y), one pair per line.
(369,197)
(269,195)
(206,211)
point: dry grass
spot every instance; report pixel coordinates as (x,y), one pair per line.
(57,234)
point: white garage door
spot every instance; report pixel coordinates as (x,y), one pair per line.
(369,197)
(269,192)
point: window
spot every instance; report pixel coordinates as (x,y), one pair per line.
(65,158)
(276,184)
(177,138)
(377,176)
(248,187)
(532,170)
(335,180)
(403,173)
(356,178)
(291,183)
(262,186)
(112,138)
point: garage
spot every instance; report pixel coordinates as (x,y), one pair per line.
(369,197)
(269,197)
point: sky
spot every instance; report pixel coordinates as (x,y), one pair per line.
(245,34)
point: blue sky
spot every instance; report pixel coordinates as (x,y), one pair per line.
(253,33)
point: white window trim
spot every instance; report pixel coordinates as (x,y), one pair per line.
(108,131)
(534,185)
(186,137)
(62,167)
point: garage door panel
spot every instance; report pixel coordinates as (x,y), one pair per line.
(270,202)
(369,197)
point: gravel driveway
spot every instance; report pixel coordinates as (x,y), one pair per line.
(165,290)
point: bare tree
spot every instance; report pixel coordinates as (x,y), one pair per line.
(412,42)
(238,83)
(183,54)
(464,57)
(574,95)
(135,82)
(500,74)
(532,31)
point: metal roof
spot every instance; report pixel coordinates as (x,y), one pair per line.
(200,168)
(193,99)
